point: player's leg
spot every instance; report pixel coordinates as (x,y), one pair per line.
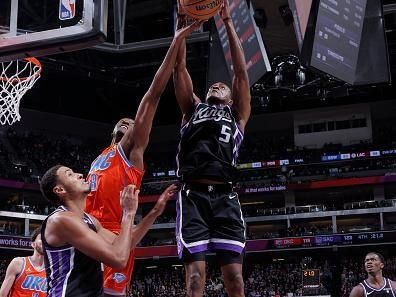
(231,268)
(228,238)
(192,236)
(194,265)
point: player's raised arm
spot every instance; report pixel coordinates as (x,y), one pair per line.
(13,270)
(184,90)
(240,84)
(135,141)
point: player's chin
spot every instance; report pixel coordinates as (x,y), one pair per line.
(216,100)
(40,250)
(87,189)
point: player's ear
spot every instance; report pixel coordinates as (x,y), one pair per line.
(59,190)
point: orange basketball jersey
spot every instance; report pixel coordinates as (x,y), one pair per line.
(109,174)
(29,282)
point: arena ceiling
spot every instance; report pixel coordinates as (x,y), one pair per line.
(103,84)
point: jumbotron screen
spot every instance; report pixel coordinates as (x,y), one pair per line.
(343,38)
(337,37)
(256,57)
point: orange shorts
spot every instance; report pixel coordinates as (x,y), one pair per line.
(117,281)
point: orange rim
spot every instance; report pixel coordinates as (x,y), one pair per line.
(35,74)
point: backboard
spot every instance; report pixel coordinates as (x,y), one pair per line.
(44,27)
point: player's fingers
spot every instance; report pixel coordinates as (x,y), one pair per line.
(137,194)
(170,188)
(130,189)
(199,23)
(123,192)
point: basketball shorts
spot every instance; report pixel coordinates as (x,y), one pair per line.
(117,281)
(209,218)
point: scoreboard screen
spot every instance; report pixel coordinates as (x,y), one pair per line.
(257,61)
(311,278)
(343,38)
(334,239)
(337,37)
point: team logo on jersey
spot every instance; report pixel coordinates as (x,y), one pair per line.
(209,113)
(102,162)
(119,277)
(35,283)
(67,9)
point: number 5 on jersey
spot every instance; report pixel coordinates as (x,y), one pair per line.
(225,134)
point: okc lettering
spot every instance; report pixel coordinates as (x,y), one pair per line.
(35,283)
(102,162)
(213,4)
(208,114)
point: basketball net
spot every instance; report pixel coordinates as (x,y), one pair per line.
(17,77)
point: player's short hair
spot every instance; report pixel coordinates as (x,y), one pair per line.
(35,233)
(47,184)
(382,259)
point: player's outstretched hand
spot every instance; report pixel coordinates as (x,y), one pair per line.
(129,199)
(180,9)
(187,30)
(225,10)
(163,199)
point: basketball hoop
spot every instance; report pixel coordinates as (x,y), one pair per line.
(17,77)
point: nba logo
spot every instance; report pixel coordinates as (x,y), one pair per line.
(67,9)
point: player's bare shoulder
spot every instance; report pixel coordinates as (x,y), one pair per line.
(60,217)
(357,291)
(16,264)
(57,223)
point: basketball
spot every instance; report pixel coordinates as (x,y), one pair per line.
(201,9)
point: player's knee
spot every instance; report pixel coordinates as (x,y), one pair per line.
(196,282)
(235,284)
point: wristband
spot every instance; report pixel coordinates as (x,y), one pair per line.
(226,19)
